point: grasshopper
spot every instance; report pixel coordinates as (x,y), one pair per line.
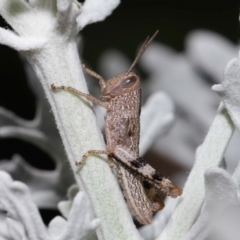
(143,187)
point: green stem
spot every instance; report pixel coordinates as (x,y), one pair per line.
(208,155)
(59,63)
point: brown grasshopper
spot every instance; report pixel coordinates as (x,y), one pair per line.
(142,185)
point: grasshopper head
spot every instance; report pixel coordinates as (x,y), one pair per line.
(125,82)
(121,84)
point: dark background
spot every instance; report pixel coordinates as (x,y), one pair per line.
(124,30)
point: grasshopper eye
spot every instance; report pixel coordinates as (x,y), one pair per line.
(129,82)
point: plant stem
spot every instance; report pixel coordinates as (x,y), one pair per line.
(59,63)
(208,155)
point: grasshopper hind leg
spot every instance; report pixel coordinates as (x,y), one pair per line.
(155,196)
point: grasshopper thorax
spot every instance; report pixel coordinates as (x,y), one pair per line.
(121,84)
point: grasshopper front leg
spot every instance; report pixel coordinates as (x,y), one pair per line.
(85,95)
(91,99)
(88,153)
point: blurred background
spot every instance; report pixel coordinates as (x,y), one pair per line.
(196,39)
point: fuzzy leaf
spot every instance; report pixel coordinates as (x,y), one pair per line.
(220,192)
(210,52)
(229,90)
(95,11)
(56,227)
(156,118)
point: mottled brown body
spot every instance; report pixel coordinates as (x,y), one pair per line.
(122,125)
(142,185)
(122,128)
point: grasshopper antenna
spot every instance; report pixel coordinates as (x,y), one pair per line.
(142,49)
